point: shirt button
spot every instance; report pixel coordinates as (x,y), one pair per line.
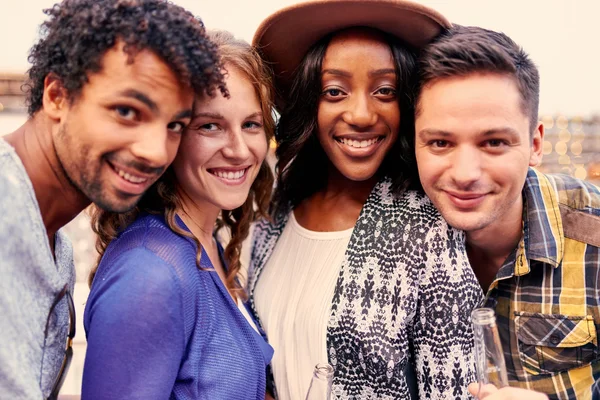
(554,339)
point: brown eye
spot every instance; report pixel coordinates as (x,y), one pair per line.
(125,112)
(176,127)
(386,91)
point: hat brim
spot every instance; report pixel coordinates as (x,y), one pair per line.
(284,37)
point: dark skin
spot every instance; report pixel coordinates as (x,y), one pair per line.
(358,122)
(337,207)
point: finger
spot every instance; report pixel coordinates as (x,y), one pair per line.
(486,389)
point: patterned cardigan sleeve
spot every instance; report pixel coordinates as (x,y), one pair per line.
(442,333)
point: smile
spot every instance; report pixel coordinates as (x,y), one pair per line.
(130,182)
(230,176)
(358,144)
(359,147)
(129,177)
(466,200)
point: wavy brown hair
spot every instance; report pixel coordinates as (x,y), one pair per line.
(161,197)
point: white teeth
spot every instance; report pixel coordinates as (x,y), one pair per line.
(230,175)
(130,178)
(358,143)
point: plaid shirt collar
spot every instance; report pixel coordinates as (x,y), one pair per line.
(543,238)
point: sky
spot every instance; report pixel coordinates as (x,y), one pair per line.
(560,35)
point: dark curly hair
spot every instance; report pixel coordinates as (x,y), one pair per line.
(162,197)
(79,32)
(299,152)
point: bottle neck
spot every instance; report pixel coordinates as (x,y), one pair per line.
(483,317)
(323,371)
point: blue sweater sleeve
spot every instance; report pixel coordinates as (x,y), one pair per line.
(135,330)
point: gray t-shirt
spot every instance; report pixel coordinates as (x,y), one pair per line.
(30,280)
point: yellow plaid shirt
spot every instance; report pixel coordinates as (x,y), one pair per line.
(547,293)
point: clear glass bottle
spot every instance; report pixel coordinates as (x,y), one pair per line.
(320,385)
(489,358)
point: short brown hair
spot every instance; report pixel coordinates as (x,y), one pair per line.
(464,50)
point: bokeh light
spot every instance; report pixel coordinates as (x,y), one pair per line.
(548,121)
(562,122)
(564,160)
(580,173)
(561,148)
(564,135)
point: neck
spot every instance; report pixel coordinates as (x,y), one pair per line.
(488,248)
(341,189)
(337,207)
(199,218)
(34,145)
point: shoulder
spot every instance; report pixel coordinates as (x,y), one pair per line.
(148,248)
(19,213)
(411,207)
(154,234)
(135,265)
(264,229)
(575,193)
(577,201)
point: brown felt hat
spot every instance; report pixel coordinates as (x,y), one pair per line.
(285,36)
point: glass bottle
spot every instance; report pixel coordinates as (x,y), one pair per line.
(489,358)
(320,385)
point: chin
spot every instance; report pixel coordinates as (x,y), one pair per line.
(465,222)
(116,206)
(232,205)
(115,203)
(357,176)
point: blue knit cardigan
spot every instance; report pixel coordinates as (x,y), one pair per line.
(160,328)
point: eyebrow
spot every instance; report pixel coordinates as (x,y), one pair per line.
(141,97)
(383,71)
(208,115)
(433,132)
(494,131)
(184,114)
(338,72)
(256,114)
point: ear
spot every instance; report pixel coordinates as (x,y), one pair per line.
(55,99)
(537,145)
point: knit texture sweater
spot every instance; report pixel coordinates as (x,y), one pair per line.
(158,327)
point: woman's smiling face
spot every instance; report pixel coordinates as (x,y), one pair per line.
(223,148)
(358,112)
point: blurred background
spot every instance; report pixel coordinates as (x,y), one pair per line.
(558,34)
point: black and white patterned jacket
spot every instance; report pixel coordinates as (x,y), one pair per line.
(404,294)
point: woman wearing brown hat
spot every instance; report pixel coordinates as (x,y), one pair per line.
(355,269)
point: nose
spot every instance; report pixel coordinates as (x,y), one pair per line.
(466,167)
(236,147)
(155,146)
(360,113)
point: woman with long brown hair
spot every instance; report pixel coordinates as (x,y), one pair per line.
(165,317)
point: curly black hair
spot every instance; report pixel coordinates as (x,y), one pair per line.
(79,32)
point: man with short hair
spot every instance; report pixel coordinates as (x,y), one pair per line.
(110,91)
(532,239)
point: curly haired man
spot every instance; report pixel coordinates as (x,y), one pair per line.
(110,91)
